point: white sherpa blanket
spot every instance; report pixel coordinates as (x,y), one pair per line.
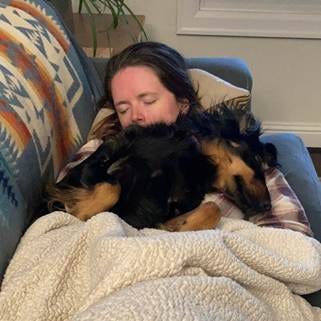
(103,269)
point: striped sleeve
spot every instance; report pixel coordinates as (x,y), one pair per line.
(287,211)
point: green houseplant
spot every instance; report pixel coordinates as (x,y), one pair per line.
(118,9)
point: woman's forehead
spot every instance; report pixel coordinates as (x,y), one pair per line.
(135,72)
(135,80)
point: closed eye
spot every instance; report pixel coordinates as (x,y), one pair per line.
(122,106)
(149,102)
(122,110)
(148,98)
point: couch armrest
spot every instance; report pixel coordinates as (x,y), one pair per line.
(299,171)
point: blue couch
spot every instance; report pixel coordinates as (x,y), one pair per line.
(48,103)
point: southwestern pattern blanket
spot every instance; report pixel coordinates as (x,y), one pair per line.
(43,93)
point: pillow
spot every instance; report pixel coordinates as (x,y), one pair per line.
(46,89)
(212,90)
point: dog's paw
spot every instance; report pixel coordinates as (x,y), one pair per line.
(204,217)
(165,227)
(173,225)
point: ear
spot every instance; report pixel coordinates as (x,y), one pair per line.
(270,154)
(184,106)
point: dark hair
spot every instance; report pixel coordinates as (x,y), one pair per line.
(168,64)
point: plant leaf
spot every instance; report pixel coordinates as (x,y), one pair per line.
(80,6)
(93,28)
(94,4)
(136,19)
(118,8)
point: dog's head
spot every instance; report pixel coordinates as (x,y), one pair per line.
(240,158)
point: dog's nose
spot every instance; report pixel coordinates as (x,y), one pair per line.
(265,206)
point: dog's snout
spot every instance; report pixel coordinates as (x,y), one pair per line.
(264,206)
(267,206)
(256,209)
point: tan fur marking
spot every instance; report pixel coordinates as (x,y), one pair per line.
(204,217)
(227,163)
(102,198)
(85,203)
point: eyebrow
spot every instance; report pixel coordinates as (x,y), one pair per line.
(142,95)
(121,102)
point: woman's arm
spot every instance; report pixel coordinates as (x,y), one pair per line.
(299,171)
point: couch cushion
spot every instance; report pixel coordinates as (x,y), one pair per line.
(214,91)
(47,103)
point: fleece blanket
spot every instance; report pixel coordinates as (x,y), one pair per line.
(103,269)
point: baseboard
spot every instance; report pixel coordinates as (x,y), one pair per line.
(309,132)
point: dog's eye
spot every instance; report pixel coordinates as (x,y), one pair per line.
(258,158)
(104,160)
(156,173)
(233,144)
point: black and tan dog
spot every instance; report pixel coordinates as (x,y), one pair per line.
(159,174)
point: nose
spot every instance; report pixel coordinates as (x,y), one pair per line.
(137,116)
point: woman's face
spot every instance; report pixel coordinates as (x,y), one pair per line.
(140,98)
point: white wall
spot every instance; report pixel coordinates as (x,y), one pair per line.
(286,72)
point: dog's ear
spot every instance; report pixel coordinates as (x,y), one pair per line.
(241,119)
(247,123)
(117,165)
(270,154)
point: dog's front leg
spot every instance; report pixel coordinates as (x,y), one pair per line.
(86,203)
(204,217)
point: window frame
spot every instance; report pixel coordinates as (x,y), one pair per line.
(250,18)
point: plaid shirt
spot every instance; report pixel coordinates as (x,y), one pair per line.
(84,152)
(287,211)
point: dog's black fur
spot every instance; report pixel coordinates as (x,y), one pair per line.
(164,172)
(160,168)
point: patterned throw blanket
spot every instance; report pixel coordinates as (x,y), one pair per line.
(45,91)
(287,211)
